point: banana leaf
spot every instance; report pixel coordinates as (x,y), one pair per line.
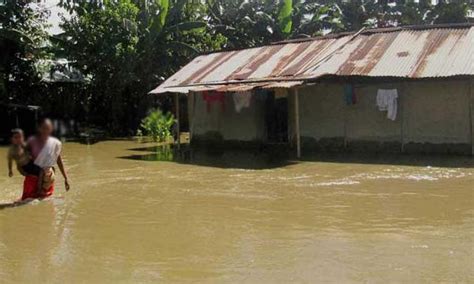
(186,26)
(284,16)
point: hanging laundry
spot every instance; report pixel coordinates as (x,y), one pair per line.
(387,100)
(241,100)
(212,98)
(350,95)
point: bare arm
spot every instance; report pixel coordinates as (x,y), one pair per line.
(10,165)
(63,172)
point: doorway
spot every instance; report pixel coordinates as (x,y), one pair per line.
(276,119)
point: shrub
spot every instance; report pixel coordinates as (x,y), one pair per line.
(157,125)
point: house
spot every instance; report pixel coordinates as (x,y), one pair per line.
(402,89)
(66,104)
(17,116)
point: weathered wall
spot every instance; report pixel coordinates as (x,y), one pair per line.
(248,125)
(436,113)
(322,111)
(365,122)
(434,116)
(329,124)
(471,91)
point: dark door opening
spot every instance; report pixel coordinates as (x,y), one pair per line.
(276,119)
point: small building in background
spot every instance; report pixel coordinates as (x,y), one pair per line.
(64,95)
(17,116)
(60,96)
(403,89)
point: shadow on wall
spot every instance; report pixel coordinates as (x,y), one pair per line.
(270,157)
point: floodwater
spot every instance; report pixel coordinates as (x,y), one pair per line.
(135,215)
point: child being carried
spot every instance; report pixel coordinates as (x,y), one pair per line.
(20,153)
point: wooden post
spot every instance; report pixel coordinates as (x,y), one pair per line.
(345,110)
(178,130)
(297,124)
(192,97)
(471,112)
(401,107)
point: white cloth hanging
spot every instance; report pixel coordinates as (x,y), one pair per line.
(49,154)
(387,100)
(241,100)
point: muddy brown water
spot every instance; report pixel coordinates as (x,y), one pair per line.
(136,215)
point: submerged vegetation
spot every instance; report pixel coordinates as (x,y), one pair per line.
(125,48)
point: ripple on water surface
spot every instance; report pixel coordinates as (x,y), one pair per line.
(136,214)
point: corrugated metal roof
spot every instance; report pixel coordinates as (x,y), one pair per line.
(231,87)
(398,52)
(282,85)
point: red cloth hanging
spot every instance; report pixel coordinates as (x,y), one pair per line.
(212,98)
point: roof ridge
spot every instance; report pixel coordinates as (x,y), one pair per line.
(367,31)
(410,52)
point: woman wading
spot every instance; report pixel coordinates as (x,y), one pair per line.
(45,151)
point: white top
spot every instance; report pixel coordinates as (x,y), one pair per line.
(49,154)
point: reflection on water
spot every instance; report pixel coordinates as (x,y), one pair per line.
(213,157)
(141,213)
(273,158)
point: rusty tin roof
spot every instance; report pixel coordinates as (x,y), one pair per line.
(409,52)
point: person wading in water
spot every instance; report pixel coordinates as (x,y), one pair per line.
(45,151)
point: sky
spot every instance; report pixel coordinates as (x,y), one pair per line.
(54,18)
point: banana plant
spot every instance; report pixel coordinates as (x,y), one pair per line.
(134,44)
(247,23)
(285,16)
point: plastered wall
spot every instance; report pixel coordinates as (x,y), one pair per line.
(437,112)
(429,112)
(248,125)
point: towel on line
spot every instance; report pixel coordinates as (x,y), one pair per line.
(387,100)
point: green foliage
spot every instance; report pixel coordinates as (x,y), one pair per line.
(247,23)
(312,18)
(164,6)
(451,12)
(157,125)
(22,33)
(372,13)
(127,47)
(284,16)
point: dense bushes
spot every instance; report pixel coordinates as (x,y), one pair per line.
(157,125)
